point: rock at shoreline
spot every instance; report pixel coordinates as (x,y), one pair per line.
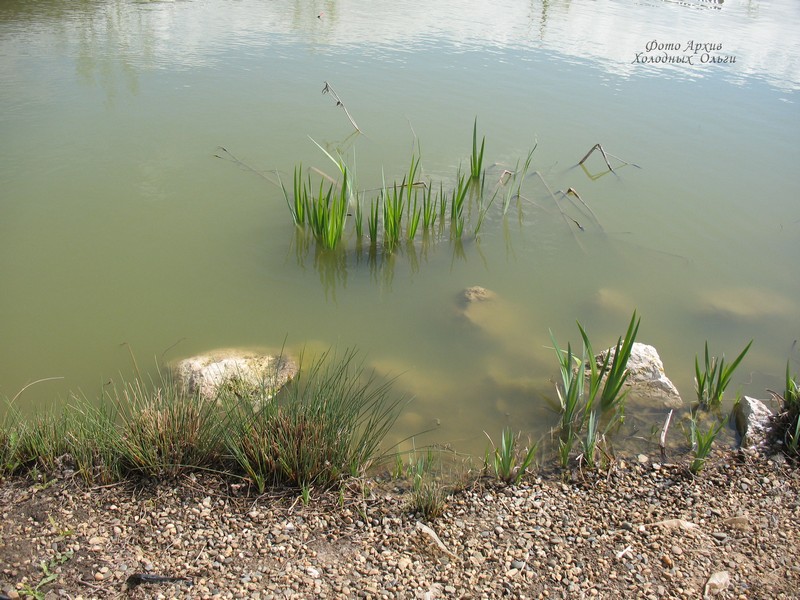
(647,380)
(240,371)
(752,422)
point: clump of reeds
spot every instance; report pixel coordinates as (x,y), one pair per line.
(508,459)
(165,432)
(702,440)
(327,424)
(713,379)
(397,212)
(591,408)
(428,498)
(476,158)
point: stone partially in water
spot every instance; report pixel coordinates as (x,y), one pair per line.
(476,293)
(647,380)
(752,421)
(245,373)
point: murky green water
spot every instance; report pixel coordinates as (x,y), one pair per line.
(121,231)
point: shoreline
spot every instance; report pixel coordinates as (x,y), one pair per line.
(637,530)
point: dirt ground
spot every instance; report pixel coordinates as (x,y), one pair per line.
(640,530)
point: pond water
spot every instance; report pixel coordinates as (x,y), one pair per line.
(127,231)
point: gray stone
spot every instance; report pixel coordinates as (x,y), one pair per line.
(239,371)
(752,421)
(476,293)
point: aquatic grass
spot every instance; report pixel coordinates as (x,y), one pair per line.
(702,441)
(476,158)
(457,199)
(510,462)
(483,209)
(297,204)
(372,221)
(713,379)
(327,214)
(525,169)
(359,217)
(414,213)
(393,202)
(429,207)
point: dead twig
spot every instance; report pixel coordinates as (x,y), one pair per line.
(230,157)
(605,157)
(329,90)
(573,192)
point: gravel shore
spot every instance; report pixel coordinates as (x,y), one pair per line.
(640,530)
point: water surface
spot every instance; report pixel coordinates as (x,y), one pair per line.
(122,232)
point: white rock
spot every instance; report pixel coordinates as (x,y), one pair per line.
(717,583)
(752,421)
(646,377)
(240,371)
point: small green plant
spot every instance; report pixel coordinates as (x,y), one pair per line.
(476,159)
(711,382)
(47,575)
(702,441)
(508,462)
(428,498)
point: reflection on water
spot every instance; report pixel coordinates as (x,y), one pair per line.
(119,225)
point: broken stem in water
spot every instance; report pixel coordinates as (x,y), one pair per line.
(234,159)
(605,157)
(329,90)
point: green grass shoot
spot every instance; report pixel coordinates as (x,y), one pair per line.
(713,379)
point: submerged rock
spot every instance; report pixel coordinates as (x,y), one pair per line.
(747,303)
(239,371)
(476,293)
(752,421)
(647,380)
